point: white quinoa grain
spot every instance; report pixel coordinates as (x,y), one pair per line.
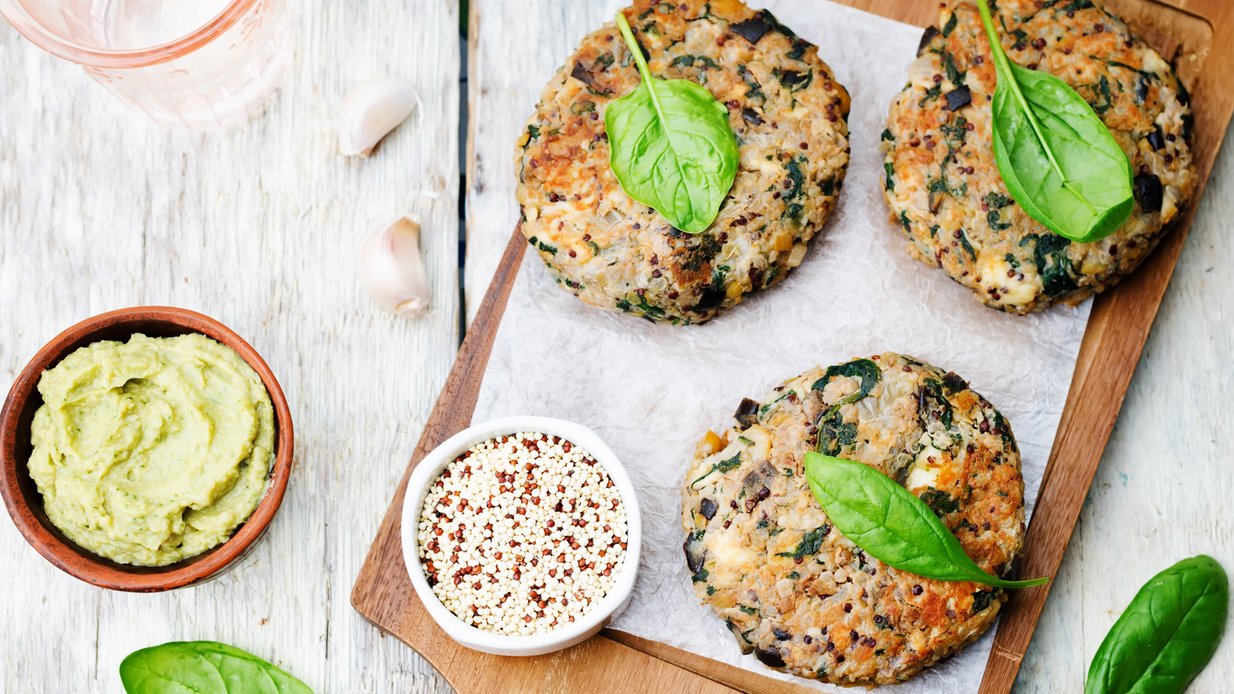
(522,534)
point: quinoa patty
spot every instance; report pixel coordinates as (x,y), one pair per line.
(795,591)
(790,118)
(944,188)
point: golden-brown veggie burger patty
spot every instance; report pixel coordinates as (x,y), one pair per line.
(944,188)
(795,591)
(790,119)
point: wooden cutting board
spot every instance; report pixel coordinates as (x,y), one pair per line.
(1198,37)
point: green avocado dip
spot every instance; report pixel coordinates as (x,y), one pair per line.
(154,450)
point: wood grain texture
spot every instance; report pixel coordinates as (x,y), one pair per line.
(507,70)
(257,227)
(1161,492)
(384,595)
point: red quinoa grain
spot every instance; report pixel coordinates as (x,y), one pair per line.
(521,598)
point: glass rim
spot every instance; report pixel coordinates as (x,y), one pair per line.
(26,25)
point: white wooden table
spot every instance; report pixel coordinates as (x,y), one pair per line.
(258,227)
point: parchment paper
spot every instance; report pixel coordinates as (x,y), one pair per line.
(651,391)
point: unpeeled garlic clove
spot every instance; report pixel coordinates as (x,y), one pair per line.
(370,111)
(391,268)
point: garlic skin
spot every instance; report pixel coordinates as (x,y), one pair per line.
(370,111)
(391,268)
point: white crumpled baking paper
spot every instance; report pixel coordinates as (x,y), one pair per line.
(651,391)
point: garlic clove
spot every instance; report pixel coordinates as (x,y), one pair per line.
(370,111)
(391,268)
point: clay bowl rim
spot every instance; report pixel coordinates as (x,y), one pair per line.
(18,490)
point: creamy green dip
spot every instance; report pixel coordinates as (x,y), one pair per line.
(153,450)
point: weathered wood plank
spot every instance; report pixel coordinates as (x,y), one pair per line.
(258,227)
(514,48)
(1161,492)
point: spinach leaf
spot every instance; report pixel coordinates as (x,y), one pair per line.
(834,433)
(950,25)
(981,600)
(809,544)
(1053,264)
(1057,158)
(890,524)
(1167,634)
(940,502)
(671,146)
(722,466)
(204,666)
(865,370)
(933,405)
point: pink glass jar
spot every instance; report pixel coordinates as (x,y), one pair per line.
(198,64)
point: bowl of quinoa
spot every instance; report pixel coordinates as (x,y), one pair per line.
(521,535)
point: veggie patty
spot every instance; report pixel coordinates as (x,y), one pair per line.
(943,186)
(789,586)
(790,119)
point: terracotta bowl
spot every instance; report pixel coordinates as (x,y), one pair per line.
(25,504)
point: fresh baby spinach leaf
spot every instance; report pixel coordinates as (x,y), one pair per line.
(671,146)
(890,524)
(1057,158)
(207,667)
(1167,634)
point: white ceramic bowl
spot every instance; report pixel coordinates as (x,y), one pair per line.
(537,644)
